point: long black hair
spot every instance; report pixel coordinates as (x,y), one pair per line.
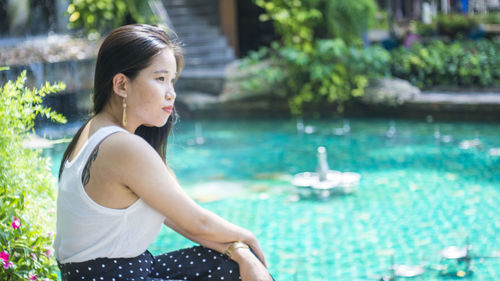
(129,49)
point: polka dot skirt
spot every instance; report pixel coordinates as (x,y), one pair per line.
(196,263)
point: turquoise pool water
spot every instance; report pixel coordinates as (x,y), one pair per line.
(416,195)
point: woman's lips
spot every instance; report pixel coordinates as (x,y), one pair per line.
(168,109)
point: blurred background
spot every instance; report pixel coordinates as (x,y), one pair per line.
(358,139)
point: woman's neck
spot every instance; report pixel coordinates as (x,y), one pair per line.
(112,116)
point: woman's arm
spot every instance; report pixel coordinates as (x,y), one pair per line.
(251,268)
(217,246)
(135,164)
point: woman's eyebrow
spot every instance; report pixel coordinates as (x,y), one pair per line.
(161,71)
(164,71)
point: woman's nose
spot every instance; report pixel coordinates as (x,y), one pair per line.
(171,95)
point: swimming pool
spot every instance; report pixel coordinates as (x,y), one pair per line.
(416,196)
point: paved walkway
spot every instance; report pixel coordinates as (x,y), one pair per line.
(458,99)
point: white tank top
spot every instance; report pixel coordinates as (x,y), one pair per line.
(86,230)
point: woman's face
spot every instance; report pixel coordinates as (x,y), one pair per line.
(151,95)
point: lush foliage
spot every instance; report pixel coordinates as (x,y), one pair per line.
(300,22)
(452,25)
(381,20)
(489,18)
(347,19)
(294,21)
(26,186)
(333,73)
(462,63)
(318,60)
(96,16)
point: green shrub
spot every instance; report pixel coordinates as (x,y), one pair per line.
(26,186)
(331,75)
(318,61)
(347,19)
(489,18)
(300,22)
(381,20)
(462,63)
(294,21)
(97,16)
(451,25)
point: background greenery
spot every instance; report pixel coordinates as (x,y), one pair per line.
(320,58)
(320,61)
(451,26)
(97,16)
(461,63)
(27,186)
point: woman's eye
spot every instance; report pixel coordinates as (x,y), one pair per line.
(160,79)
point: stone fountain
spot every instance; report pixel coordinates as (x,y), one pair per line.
(325,182)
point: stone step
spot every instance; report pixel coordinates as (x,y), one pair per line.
(208,31)
(204,47)
(193,73)
(196,65)
(216,58)
(209,49)
(216,52)
(191,11)
(182,3)
(211,20)
(201,38)
(197,29)
(196,22)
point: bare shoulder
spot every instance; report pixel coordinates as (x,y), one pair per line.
(124,142)
(124,152)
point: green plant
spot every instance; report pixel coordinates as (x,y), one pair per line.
(462,63)
(489,18)
(97,16)
(294,20)
(331,75)
(381,20)
(347,19)
(309,67)
(26,186)
(300,22)
(424,29)
(452,25)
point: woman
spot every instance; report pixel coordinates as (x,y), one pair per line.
(116,191)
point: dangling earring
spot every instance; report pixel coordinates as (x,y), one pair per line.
(124,114)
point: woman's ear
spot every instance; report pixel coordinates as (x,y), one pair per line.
(120,84)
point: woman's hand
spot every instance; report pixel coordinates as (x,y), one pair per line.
(252,242)
(251,268)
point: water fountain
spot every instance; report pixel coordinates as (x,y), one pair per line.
(473,143)
(455,262)
(403,270)
(325,182)
(198,137)
(495,151)
(300,126)
(400,270)
(344,130)
(307,129)
(441,138)
(461,260)
(392,131)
